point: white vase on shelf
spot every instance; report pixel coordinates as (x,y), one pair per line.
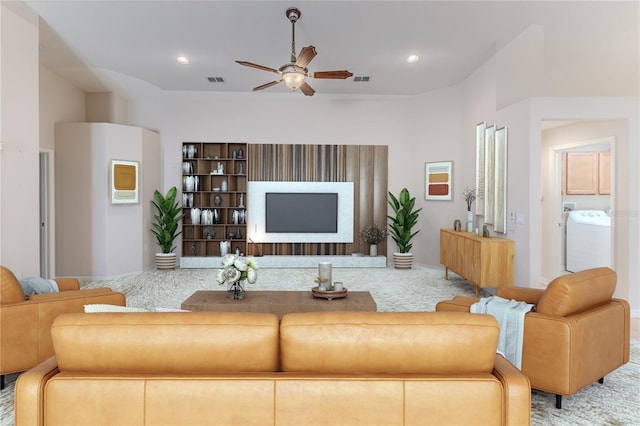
(373,250)
(195,216)
(224,248)
(469,221)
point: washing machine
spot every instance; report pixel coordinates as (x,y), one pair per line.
(588,240)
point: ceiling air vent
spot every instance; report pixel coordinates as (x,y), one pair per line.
(215,79)
(361,79)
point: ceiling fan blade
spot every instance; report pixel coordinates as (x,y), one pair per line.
(306,89)
(267,85)
(305,56)
(331,74)
(260,67)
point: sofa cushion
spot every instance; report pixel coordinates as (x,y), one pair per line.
(388,342)
(572,293)
(166,342)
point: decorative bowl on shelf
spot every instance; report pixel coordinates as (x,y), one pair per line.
(216,189)
(329,294)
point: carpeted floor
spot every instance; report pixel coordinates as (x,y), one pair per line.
(616,402)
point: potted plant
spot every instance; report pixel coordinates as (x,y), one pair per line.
(401,226)
(373,234)
(165,227)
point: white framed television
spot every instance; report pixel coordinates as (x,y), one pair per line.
(300,212)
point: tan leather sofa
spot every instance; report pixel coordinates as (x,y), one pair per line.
(577,335)
(323,368)
(25,339)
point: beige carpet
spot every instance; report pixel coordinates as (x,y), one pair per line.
(616,402)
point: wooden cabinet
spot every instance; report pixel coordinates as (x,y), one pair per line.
(587,173)
(582,173)
(604,172)
(484,262)
(214,181)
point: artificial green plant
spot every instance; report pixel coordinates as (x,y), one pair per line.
(168,215)
(405,218)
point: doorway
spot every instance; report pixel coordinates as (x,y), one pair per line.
(556,205)
(46,214)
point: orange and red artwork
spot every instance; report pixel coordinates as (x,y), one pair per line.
(438,180)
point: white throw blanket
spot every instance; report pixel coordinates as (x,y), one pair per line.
(510,317)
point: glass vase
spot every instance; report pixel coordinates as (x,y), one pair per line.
(236,291)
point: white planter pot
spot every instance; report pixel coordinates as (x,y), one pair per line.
(373,250)
(403,260)
(165,260)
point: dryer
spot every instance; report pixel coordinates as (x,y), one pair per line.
(588,240)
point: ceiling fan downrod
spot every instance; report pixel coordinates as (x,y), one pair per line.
(293,14)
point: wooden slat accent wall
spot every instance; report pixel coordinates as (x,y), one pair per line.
(364,165)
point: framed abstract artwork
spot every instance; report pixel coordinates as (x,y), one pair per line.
(124,182)
(489,174)
(480,128)
(500,181)
(438,180)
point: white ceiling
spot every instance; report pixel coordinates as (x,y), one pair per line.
(122,45)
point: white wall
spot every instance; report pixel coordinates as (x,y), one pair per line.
(437,135)
(60,102)
(19,98)
(94,238)
(286,119)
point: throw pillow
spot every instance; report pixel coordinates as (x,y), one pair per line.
(97,307)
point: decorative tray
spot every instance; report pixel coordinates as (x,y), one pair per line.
(331,294)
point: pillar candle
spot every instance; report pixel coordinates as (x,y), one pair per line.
(324,273)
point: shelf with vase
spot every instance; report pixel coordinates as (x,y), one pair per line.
(214,198)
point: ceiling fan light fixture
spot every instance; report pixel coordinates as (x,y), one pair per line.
(293,76)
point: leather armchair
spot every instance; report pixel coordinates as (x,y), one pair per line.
(25,323)
(577,334)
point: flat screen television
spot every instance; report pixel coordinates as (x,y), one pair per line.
(296,212)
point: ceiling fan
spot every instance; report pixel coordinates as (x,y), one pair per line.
(294,73)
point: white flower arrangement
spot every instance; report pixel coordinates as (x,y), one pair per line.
(236,268)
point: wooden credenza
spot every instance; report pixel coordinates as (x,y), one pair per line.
(484,262)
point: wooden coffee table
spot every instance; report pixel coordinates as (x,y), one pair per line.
(277,302)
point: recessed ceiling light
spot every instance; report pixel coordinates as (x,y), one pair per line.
(413,58)
(182,60)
